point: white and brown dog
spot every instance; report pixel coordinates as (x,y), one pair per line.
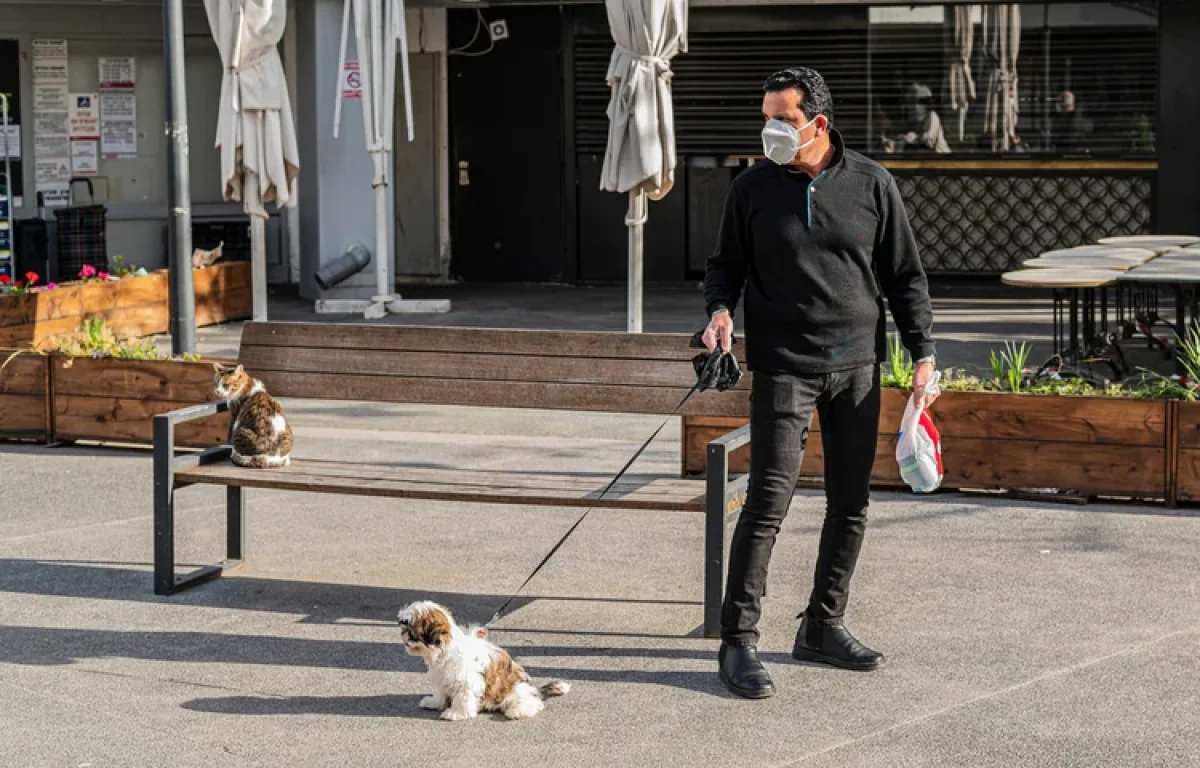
(469,674)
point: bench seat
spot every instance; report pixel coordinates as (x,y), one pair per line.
(437,484)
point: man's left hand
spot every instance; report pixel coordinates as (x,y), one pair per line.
(921,376)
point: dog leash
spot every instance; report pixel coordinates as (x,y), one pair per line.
(702,378)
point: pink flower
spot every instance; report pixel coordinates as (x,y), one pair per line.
(103,276)
(87,271)
(51,286)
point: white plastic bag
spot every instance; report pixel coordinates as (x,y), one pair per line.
(919,447)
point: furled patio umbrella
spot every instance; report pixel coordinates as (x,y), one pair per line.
(1001,44)
(379,27)
(640,158)
(961,44)
(256,135)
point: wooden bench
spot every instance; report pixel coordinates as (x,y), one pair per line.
(569,371)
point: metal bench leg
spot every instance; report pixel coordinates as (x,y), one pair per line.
(717,483)
(235,528)
(165,580)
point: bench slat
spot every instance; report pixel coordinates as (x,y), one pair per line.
(486,367)
(584,482)
(648,346)
(502,394)
(455,485)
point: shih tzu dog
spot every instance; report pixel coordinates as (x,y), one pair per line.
(468,673)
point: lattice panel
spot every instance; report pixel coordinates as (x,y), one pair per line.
(992,223)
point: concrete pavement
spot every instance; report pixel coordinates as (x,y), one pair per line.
(1017,635)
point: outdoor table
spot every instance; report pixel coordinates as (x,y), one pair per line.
(1077,287)
(1183,278)
(1158,243)
(1114,263)
(1115,251)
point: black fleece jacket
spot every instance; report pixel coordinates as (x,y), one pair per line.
(816,258)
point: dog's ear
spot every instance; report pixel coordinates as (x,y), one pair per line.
(431,628)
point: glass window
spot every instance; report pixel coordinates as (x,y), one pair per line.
(1073,79)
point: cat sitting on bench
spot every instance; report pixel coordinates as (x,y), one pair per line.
(261,436)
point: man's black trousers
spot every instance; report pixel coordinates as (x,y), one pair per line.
(781,406)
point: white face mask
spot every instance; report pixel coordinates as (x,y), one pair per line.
(781,141)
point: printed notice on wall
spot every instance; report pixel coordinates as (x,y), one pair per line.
(10,142)
(50,124)
(49,49)
(118,106)
(118,124)
(52,172)
(50,97)
(56,195)
(85,116)
(85,158)
(50,61)
(46,147)
(118,73)
(118,139)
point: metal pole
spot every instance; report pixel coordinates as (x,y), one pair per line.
(8,193)
(179,198)
(636,221)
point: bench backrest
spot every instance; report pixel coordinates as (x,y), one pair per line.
(556,370)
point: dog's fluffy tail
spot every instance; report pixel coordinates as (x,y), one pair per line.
(554,688)
(260,461)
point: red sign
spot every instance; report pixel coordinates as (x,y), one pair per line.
(351,81)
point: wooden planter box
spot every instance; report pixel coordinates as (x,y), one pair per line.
(134,306)
(1186,454)
(994,441)
(24,397)
(115,400)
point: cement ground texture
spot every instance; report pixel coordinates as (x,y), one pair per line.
(1017,634)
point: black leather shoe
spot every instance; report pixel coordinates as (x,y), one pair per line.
(833,644)
(743,673)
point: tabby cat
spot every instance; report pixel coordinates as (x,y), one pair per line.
(261,436)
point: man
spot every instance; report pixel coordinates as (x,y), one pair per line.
(817,235)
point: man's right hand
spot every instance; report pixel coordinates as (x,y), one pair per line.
(719,331)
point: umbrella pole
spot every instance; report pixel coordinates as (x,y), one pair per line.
(258,268)
(635,220)
(179,197)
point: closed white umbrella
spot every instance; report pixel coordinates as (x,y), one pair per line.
(640,158)
(961,85)
(1001,44)
(379,25)
(256,135)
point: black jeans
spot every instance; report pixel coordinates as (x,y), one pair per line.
(781,406)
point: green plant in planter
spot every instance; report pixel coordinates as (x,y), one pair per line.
(94,338)
(898,370)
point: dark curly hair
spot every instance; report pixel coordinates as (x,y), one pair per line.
(816,99)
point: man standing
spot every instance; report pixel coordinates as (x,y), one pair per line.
(818,236)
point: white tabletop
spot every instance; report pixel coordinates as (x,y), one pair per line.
(1081,262)
(1108,251)
(1156,242)
(1061,278)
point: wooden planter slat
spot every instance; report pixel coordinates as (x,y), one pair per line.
(1186,478)
(23,399)
(127,420)
(1045,417)
(135,306)
(1093,446)
(113,400)
(165,380)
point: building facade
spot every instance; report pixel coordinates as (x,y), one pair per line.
(502,182)
(1095,144)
